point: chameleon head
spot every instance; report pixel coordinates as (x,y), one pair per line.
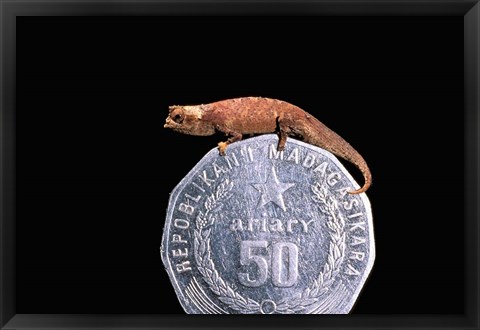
(188,120)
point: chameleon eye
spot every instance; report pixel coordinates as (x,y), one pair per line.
(177,116)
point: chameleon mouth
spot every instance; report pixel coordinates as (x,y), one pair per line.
(172,125)
(168,123)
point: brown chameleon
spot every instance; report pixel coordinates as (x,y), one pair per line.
(258,115)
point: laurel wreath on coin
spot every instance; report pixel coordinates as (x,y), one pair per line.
(205,264)
(289,305)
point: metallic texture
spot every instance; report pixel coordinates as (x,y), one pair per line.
(268,232)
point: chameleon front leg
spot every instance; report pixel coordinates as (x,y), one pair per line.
(234,137)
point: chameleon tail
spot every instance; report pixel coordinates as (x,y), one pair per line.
(320,135)
(360,163)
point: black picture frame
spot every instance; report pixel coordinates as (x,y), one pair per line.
(9,10)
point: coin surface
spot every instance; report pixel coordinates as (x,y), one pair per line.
(259,231)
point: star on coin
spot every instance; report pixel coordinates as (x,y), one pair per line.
(272,190)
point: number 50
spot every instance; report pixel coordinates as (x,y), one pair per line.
(248,257)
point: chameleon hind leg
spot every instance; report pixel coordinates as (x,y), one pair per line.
(288,127)
(284,130)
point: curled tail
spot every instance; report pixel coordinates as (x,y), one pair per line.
(360,163)
(316,133)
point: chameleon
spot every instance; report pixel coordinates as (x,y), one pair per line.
(259,115)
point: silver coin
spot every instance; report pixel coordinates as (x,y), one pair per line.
(268,232)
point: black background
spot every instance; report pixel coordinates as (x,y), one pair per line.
(95,165)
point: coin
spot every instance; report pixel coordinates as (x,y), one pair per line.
(259,231)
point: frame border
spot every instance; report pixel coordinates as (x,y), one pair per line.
(10,9)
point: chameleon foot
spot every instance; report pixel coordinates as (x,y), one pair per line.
(222,146)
